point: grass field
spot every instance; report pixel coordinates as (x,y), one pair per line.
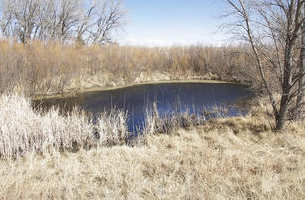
(233,158)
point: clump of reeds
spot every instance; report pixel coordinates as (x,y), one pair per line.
(175,119)
(23,129)
(170,122)
(111,128)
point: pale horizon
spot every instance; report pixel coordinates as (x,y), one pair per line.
(173,23)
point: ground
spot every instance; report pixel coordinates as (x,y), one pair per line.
(234,158)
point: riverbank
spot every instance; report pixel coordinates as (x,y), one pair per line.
(240,158)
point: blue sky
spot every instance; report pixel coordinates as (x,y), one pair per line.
(172,22)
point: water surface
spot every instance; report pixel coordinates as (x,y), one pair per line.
(169,97)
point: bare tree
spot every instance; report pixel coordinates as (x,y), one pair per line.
(273,28)
(65,20)
(19,20)
(100,20)
(68,18)
(6,17)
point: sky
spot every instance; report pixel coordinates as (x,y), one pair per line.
(173,22)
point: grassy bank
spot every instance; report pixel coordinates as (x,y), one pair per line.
(40,68)
(233,158)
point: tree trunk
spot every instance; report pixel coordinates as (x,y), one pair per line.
(300,97)
(280,121)
(286,85)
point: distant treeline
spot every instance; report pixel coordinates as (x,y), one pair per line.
(44,68)
(83,21)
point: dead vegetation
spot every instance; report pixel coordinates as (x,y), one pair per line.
(24,130)
(48,155)
(39,68)
(232,158)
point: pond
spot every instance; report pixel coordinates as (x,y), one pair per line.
(195,98)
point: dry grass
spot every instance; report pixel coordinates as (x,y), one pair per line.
(45,155)
(24,130)
(40,68)
(233,158)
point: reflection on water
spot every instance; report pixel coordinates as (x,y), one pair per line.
(170,97)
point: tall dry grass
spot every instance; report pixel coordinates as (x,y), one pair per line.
(232,158)
(48,68)
(23,129)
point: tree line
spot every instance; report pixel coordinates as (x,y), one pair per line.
(84,21)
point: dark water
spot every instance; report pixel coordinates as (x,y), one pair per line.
(169,97)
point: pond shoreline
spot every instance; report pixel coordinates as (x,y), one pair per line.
(193,97)
(75,92)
